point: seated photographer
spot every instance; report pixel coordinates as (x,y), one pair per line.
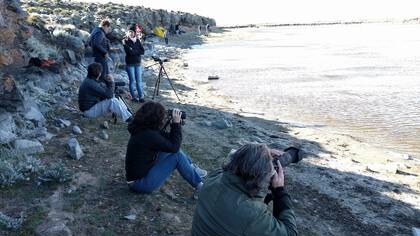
(97,98)
(231,200)
(153,154)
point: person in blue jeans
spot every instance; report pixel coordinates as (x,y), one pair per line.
(152,154)
(133,51)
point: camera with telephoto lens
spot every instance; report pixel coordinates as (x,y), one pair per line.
(290,155)
(119,84)
(158,59)
(183,114)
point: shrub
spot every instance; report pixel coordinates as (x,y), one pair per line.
(56,172)
(41,50)
(15,166)
(10,222)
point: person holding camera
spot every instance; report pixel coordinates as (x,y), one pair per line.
(97,98)
(133,51)
(101,45)
(153,154)
(231,201)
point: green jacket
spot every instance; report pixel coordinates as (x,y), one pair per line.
(225,208)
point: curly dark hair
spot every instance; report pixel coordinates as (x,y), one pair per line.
(150,115)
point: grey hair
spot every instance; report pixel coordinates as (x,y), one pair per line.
(253,164)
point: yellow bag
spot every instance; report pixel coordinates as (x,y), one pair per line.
(159,31)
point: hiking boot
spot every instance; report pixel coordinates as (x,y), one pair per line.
(202,173)
(197,190)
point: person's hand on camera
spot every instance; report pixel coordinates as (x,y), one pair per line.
(176,116)
(109,78)
(278,177)
(275,152)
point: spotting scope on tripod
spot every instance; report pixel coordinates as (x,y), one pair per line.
(162,73)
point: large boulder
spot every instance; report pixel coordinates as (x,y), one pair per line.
(11,97)
(7,128)
(13,34)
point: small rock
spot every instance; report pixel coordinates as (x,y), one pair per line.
(213,77)
(130,217)
(77,130)
(32,113)
(185,64)
(222,124)
(64,123)
(42,134)
(7,128)
(103,135)
(407,157)
(70,56)
(73,149)
(96,140)
(171,217)
(105,125)
(28,146)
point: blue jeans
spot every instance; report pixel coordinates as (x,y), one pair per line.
(162,169)
(134,73)
(104,63)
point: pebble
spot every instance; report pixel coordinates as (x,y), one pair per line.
(130,217)
(77,130)
(103,135)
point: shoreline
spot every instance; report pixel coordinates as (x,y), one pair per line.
(341,157)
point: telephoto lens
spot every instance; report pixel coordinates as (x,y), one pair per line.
(183,114)
(290,155)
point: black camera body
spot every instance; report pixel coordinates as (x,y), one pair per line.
(117,85)
(183,114)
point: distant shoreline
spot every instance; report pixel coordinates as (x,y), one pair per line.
(414,20)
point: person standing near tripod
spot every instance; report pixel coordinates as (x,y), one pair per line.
(133,51)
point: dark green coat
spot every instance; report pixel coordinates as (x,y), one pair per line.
(225,208)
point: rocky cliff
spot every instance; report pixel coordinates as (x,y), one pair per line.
(87,15)
(14,31)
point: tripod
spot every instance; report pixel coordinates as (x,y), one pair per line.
(162,72)
(120,98)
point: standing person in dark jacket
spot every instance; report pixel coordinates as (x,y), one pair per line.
(97,98)
(101,45)
(152,155)
(231,200)
(133,51)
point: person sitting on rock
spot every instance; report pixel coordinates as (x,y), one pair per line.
(152,154)
(231,200)
(96,98)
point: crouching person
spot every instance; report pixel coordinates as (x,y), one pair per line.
(97,99)
(152,154)
(231,200)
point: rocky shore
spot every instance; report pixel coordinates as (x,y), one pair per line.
(64,174)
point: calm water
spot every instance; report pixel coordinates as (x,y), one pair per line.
(362,80)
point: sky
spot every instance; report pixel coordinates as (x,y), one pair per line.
(237,12)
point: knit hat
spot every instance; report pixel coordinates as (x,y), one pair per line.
(132,27)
